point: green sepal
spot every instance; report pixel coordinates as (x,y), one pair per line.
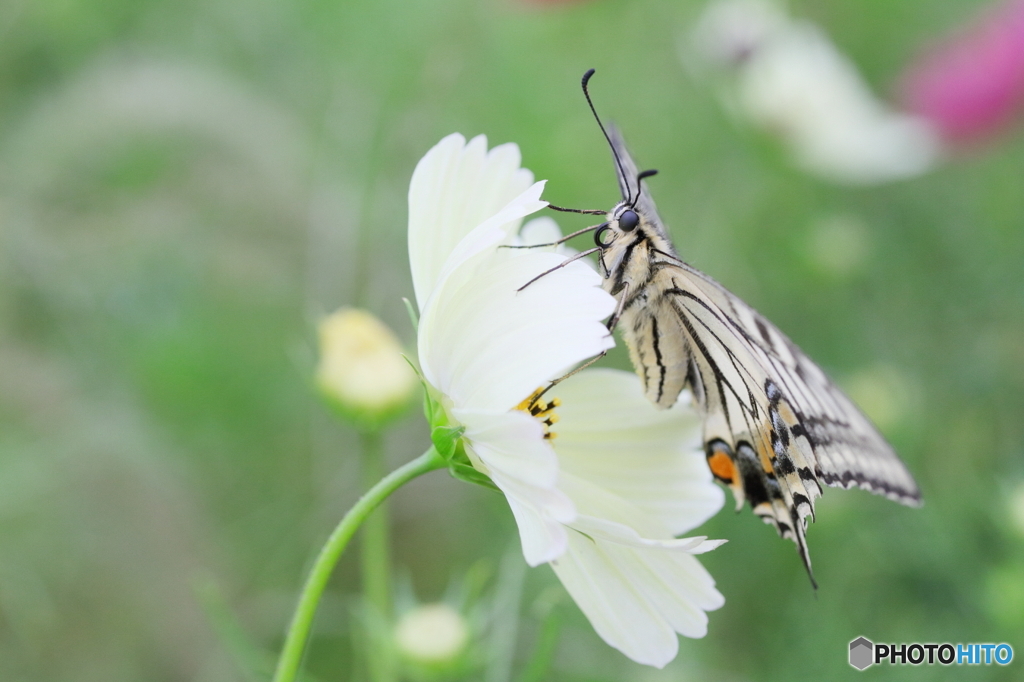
(446,440)
(469,474)
(448,443)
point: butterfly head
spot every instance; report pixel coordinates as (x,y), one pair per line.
(619,236)
(625,218)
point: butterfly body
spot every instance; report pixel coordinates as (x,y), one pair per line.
(640,263)
(775,427)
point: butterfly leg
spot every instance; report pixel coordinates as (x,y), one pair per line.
(579,255)
(557,242)
(613,321)
(555,382)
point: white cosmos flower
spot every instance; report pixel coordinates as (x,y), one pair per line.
(605,503)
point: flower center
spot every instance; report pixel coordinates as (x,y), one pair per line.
(544,411)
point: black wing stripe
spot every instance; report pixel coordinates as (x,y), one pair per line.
(750,408)
(742,368)
(825,419)
(656,343)
(698,343)
(747,411)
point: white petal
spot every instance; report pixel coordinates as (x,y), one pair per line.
(626,461)
(638,599)
(597,501)
(543,539)
(541,230)
(625,536)
(455,187)
(728,31)
(675,581)
(487,346)
(498,228)
(619,613)
(511,443)
(513,452)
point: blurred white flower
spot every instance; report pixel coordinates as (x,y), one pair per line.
(605,502)
(431,634)
(729,31)
(790,80)
(362,371)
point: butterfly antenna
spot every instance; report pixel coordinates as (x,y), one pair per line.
(618,161)
(639,187)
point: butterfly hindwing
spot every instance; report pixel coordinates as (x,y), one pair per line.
(746,417)
(844,444)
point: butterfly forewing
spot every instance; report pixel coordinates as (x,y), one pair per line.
(775,426)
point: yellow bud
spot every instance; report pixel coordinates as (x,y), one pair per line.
(431,634)
(361,368)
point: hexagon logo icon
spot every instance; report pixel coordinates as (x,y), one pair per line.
(862,653)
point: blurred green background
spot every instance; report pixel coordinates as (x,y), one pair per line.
(185,188)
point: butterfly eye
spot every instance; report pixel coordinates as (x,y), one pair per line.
(628,221)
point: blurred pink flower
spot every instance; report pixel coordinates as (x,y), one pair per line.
(972,84)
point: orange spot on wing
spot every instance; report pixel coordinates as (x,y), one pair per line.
(722,466)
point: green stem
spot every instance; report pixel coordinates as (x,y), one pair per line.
(374,555)
(302,621)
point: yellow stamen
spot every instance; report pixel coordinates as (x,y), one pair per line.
(543,411)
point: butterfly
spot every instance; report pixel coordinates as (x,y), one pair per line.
(776,429)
